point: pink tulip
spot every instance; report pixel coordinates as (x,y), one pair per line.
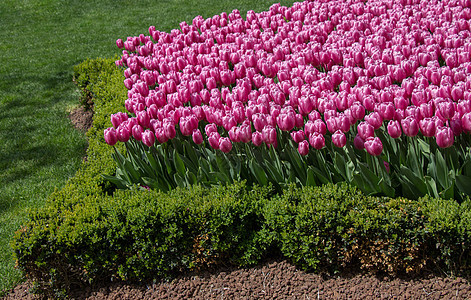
(120,43)
(123,133)
(365,130)
(225,144)
(394,129)
(317,140)
(374,146)
(444,137)
(303,148)
(269,135)
(137,131)
(118,118)
(213,140)
(410,126)
(110,136)
(297,136)
(257,138)
(427,127)
(148,138)
(374,119)
(339,139)
(358,142)
(446,109)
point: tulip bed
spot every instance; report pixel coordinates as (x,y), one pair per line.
(373,93)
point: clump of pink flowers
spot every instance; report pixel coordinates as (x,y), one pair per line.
(317,70)
(320,72)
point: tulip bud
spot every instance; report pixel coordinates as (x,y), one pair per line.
(123,133)
(303,148)
(358,142)
(137,131)
(213,140)
(110,136)
(410,126)
(148,138)
(297,136)
(317,140)
(374,119)
(444,137)
(365,130)
(427,127)
(225,144)
(257,138)
(466,121)
(374,146)
(394,129)
(339,139)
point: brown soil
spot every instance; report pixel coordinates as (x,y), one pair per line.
(276,279)
(81,118)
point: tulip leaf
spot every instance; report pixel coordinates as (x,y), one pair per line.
(442,170)
(120,184)
(417,182)
(179,180)
(431,186)
(191,178)
(466,168)
(463,183)
(449,192)
(310,178)
(424,147)
(179,165)
(221,177)
(321,176)
(258,172)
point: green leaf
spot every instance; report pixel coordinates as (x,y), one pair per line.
(120,184)
(431,186)
(417,182)
(179,165)
(258,172)
(310,180)
(464,184)
(442,170)
(448,193)
(180,180)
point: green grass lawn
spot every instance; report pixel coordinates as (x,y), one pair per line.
(41,41)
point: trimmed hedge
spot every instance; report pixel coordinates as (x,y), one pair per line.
(88,231)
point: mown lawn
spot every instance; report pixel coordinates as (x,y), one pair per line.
(41,41)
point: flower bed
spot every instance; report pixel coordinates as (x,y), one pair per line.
(372,93)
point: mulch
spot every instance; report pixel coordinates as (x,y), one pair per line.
(276,279)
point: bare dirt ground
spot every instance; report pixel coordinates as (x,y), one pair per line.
(277,279)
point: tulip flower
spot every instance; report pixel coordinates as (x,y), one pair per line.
(365,130)
(148,138)
(339,139)
(394,129)
(358,142)
(317,140)
(374,146)
(225,144)
(410,126)
(257,138)
(123,133)
(110,136)
(444,137)
(303,148)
